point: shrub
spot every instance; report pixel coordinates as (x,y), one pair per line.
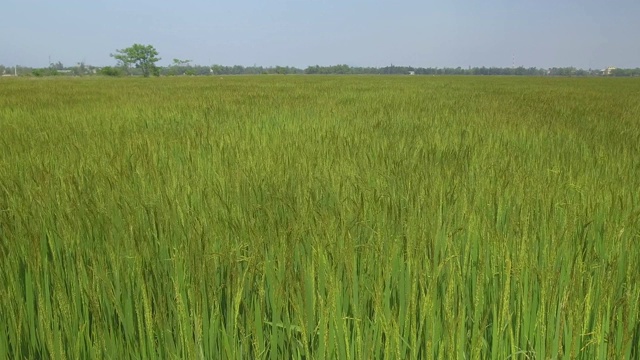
(111,71)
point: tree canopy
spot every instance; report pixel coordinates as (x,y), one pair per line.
(143,57)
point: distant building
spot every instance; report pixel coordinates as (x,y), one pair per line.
(8,72)
(608,71)
(412,72)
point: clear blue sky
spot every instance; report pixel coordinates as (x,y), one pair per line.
(543,33)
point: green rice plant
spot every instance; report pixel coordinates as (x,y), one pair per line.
(319,217)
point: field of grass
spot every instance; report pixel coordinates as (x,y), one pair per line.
(320,217)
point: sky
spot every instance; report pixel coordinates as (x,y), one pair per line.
(543,33)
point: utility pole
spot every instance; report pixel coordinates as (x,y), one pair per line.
(15,70)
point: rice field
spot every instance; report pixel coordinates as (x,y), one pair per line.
(302,217)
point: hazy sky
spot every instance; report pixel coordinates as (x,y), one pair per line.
(542,33)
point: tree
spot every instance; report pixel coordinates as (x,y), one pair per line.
(56,66)
(216,69)
(80,69)
(144,57)
(180,67)
(178,62)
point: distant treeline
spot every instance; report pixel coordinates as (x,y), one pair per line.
(522,71)
(185,69)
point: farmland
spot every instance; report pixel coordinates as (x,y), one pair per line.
(315,217)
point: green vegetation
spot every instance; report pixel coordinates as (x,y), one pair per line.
(144,57)
(184,67)
(111,71)
(320,217)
